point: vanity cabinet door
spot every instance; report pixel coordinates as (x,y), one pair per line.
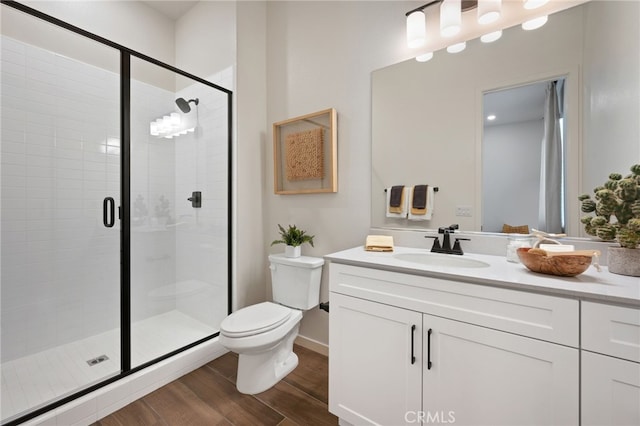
(610,390)
(483,376)
(374,362)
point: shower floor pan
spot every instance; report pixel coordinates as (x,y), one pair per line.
(37,379)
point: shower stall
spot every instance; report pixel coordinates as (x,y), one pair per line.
(115,216)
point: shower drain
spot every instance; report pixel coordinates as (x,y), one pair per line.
(97,360)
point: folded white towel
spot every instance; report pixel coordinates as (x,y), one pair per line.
(405,203)
(429,205)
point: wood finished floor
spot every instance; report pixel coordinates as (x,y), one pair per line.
(208,396)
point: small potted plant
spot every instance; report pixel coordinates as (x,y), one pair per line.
(617,208)
(293,237)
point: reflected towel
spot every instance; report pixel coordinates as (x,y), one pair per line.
(400,211)
(427,212)
(419,199)
(397,193)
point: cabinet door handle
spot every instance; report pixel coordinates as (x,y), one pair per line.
(413,333)
(429,349)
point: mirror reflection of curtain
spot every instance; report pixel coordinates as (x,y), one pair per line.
(552,161)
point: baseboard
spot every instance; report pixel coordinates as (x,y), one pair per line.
(313,345)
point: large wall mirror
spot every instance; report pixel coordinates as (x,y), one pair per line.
(428,119)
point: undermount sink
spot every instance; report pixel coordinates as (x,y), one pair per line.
(437,259)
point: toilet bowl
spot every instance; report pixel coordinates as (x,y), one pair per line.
(263,334)
(265,352)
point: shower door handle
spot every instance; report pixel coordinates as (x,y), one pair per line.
(108,217)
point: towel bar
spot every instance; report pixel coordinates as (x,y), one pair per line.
(435,189)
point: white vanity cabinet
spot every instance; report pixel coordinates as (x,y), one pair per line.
(375,371)
(480,376)
(610,365)
(483,355)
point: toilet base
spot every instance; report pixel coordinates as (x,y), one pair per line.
(261,371)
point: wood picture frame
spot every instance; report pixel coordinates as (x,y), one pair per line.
(305,154)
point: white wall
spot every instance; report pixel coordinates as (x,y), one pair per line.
(205,38)
(252,139)
(612,100)
(320,55)
(511,191)
(132,24)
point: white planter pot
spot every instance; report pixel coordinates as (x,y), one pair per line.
(291,251)
(624,261)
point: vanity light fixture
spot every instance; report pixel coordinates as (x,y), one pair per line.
(457,48)
(450,18)
(534,4)
(534,24)
(491,37)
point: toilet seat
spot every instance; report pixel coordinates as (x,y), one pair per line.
(255,319)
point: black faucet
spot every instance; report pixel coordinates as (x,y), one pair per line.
(446,241)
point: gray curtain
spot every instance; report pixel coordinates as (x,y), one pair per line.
(551,164)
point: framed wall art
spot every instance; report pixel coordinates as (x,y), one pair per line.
(305,154)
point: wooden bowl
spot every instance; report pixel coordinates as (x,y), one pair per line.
(564,266)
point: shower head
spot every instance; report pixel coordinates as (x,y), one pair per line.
(184,105)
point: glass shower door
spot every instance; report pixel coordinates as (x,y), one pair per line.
(179,210)
(60,171)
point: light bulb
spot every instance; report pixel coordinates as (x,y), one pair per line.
(488,11)
(416,29)
(450,17)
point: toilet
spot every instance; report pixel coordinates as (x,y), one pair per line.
(262,335)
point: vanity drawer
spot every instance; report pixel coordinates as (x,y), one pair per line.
(611,330)
(554,319)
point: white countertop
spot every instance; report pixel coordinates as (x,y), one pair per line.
(591,285)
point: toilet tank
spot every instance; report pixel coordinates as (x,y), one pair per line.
(295,281)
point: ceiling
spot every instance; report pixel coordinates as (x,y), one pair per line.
(173,9)
(524,103)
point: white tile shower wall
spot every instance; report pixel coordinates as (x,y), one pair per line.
(202,165)
(60,158)
(153,244)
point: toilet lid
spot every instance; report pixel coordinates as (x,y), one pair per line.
(254,319)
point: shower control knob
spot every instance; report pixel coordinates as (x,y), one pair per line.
(196,199)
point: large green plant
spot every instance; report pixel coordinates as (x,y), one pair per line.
(293,236)
(618,198)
